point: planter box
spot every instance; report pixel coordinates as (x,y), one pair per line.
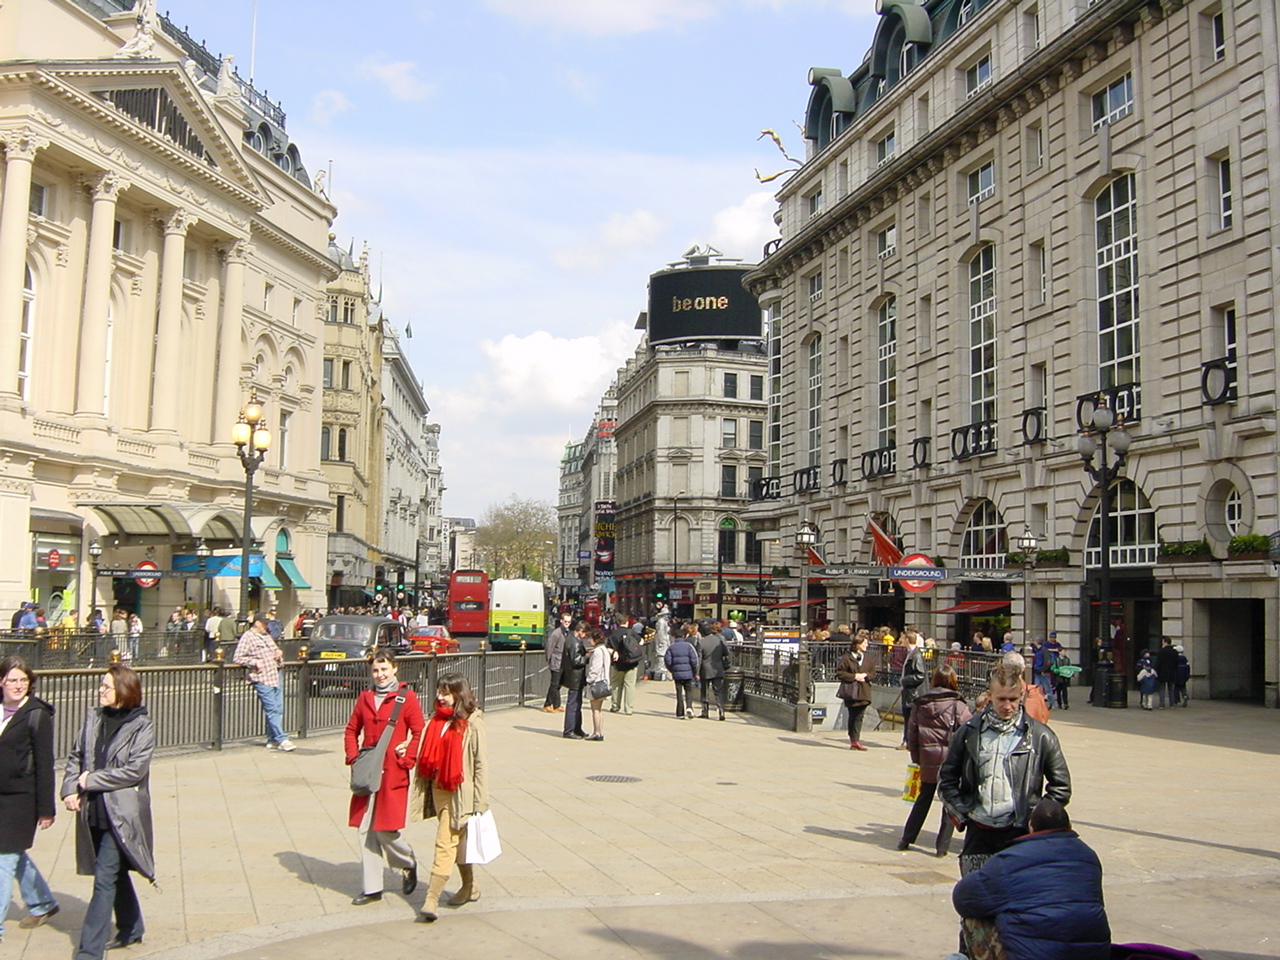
(1255,555)
(1185,558)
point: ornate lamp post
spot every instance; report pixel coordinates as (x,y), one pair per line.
(95,555)
(252,440)
(1104,429)
(204,552)
(1029,547)
(806,537)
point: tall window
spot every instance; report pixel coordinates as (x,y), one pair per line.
(752,553)
(1113,102)
(815,401)
(982,335)
(731,385)
(982,182)
(342,444)
(1218,31)
(985,541)
(757,387)
(24,333)
(1233,512)
(1038,285)
(1116,244)
(282,438)
(887,374)
(755,434)
(813,202)
(815,286)
(326,442)
(887,241)
(1132,529)
(36,200)
(886,147)
(728,545)
(1224,193)
(729,480)
(106,359)
(977,76)
(327,376)
(775,391)
(728,432)
(340,519)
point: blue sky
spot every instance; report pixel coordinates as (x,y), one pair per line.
(519,168)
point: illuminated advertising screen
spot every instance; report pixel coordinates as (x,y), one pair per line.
(702,303)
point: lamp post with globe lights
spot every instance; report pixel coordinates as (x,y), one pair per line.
(1104,438)
(252,440)
(806,538)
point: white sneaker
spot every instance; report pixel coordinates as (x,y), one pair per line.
(689,714)
(286,745)
(271,746)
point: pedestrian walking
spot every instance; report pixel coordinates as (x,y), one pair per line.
(261,657)
(682,660)
(27,790)
(573,676)
(1181,696)
(854,672)
(554,648)
(936,716)
(913,677)
(1148,681)
(107,784)
(380,816)
(452,785)
(599,659)
(713,663)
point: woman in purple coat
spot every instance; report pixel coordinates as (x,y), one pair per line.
(935,716)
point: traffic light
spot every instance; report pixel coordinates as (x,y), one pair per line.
(379,591)
(660,591)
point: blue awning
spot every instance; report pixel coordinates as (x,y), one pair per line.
(290,571)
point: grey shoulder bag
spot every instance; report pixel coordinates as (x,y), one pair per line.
(366,771)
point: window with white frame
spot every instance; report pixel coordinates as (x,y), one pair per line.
(1233,512)
(728,432)
(755,434)
(774,326)
(1132,529)
(912,54)
(887,373)
(886,146)
(1225,334)
(814,283)
(967,9)
(1035,146)
(813,202)
(887,241)
(982,182)
(985,541)
(1038,268)
(1218,36)
(267,290)
(24,333)
(977,76)
(982,335)
(1116,249)
(1225,205)
(815,402)
(37,200)
(1113,101)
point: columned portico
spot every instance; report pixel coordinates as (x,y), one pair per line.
(20,149)
(91,372)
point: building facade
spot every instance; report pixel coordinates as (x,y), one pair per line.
(162,255)
(1009,214)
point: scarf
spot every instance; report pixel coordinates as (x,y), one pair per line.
(991,721)
(441,758)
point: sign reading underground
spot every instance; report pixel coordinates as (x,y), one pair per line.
(916,573)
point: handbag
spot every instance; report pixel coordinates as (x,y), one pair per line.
(482,844)
(911,789)
(599,690)
(366,769)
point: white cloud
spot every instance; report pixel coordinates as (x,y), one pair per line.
(606,17)
(582,85)
(397,76)
(746,226)
(327,104)
(620,233)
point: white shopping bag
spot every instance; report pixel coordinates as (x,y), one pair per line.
(482,839)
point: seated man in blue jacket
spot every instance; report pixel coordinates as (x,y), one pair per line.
(1040,898)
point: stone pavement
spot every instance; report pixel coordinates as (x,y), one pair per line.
(738,840)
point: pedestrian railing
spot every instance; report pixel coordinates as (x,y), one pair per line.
(209,705)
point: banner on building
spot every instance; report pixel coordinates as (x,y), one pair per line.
(604,533)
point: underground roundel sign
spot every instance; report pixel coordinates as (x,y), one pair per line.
(916,573)
(142,574)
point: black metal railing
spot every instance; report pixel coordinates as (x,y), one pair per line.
(920,452)
(1125,402)
(806,480)
(973,440)
(766,488)
(1035,425)
(840,472)
(881,462)
(1218,381)
(64,650)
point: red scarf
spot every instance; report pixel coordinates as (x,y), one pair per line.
(441,757)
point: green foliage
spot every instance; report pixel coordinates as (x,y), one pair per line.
(511,539)
(1249,543)
(1185,548)
(1059,555)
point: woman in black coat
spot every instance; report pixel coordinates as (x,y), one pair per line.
(26,789)
(854,673)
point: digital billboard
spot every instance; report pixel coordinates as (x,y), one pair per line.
(702,303)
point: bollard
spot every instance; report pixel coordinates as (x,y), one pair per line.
(484,659)
(304,690)
(524,672)
(804,709)
(219,701)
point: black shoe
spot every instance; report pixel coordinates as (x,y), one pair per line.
(721,715)
(903,845)
(364,898)
(571,735)
(116,942)
(704,715)
(425,917)
(410,883)
(596,736)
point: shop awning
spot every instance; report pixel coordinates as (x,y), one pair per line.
(269,579)
(813,602)
(290,571)
(181,521)
(974,606)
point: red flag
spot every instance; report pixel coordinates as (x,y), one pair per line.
(815,558)
(882,546)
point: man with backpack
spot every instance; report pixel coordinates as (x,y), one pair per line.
(628,651)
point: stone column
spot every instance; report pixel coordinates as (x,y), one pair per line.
(229,402)
(90,385)
(20,148)
(164,402)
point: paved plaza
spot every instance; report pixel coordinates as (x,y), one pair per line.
(737,840)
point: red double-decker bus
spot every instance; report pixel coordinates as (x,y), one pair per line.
(469,603)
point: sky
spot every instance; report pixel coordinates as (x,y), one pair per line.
(519,168)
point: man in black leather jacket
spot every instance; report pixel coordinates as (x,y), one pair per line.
(1000,763)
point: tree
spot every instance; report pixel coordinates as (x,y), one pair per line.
(511,538)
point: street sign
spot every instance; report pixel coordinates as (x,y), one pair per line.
(584,554)
(142,574)
(568,582)
(916,573)
(54,559)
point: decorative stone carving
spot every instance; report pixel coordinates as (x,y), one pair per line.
(62,254)
(107,186)
(179,221)
(22,144)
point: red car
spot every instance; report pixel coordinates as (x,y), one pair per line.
(432,639)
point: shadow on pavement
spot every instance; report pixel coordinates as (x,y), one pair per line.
(649,943)
(874,788)
(829,744)
(341,877)
(875,834)
(557,732)
(1251,851)
(1217,723)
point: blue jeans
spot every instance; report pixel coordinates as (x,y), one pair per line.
(35,892)
(272,699)
(1045,683)
(112,889)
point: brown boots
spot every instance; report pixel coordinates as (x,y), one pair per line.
(468,891)
(431,907)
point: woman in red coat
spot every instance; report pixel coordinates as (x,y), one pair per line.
(380,816)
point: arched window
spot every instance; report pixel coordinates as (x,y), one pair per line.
(728,545)
(342,444)
(24,334)
(326,436)
(1233,512)
(1132,529)
(985,541)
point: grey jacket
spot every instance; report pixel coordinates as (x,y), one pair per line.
(125,785)
(555,648)
(713,657)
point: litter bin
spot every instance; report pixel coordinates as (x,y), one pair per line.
(1099,695)
(733,683)
(1117,690)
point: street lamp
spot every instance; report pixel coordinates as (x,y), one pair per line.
(95,555)
(675,563)
(1028,546)
(1103,428)
(806,538)
(204,552)
(252,440)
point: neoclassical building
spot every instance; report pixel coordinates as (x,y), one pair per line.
(162,259)
(1010,213)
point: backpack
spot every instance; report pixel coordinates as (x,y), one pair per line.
(630,650)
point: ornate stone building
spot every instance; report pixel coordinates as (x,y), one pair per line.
(161,257)
(1010,212)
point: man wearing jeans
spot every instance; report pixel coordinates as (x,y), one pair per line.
(261,657)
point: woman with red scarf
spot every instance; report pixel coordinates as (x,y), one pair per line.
(452,785)
(380,816)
